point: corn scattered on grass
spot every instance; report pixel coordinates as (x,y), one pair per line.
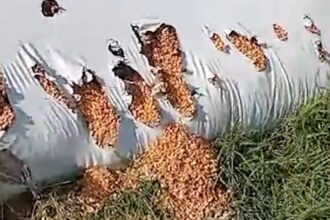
(280,32)
(101,117)
(185,167)
(219,43)
(162,50)
(99,183)
(7,115)
(144,106)
(250,48)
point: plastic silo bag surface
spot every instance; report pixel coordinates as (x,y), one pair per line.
(55,142)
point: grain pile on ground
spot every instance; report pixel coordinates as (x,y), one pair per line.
(185,166)
(99,183)
(101,117)
(7,114)
(162,49)
(280,32)
(51,87)
(250,48)
(144,105)
(219,43)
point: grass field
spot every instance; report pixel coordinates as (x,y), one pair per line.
(280,174)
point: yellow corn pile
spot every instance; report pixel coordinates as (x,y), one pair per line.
(250,48)
(100,115)
(163,51)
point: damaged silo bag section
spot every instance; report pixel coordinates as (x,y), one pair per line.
(60,115)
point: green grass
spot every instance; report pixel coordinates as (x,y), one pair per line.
(133,205)
(281,174)
(284,173)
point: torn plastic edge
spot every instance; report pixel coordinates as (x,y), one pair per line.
(310,25)
(67,90)
(246,32)
(143,26)
(210,32)
(87,75)
(139,62)
(119,86)
(115,48)
(139,29)
(56,63)
(146,24)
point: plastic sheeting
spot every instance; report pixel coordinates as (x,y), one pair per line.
(54,141)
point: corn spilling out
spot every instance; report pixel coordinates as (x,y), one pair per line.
(250,48)
(280,32)
(162,50)
(185,166)
(321,52)
(99,183)
(219,43)
(51,88)
(7,115)
(101,117)
(144,106)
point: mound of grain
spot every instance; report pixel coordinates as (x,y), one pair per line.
(51,87)
(162,50)
(99,183)
(280,32)
(101,117)
(7,115)
(250,48)
(185,166)
(144,105)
